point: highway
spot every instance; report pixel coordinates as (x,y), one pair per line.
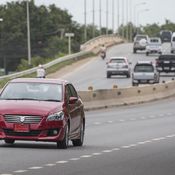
(93,73)
(129,140)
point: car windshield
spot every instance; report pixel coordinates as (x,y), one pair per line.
(32,91)
(117,61)
(144,68)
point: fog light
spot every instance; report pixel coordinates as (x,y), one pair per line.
(55,132)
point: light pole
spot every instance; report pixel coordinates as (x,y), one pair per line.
(123,18)
(118,15)
(113,15)
(85,21)
(138,14)
(1,20)
(107,12)
(93,18)
(100,15)
(135,8)
(28,33)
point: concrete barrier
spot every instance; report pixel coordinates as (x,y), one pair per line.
(105,98)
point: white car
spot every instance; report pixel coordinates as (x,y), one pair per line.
(154,45)
(118,66)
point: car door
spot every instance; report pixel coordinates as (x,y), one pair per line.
(74,109)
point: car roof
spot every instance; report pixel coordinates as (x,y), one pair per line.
(39,80)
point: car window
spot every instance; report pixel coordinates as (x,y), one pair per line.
(143,68)
(35,91)
(173,38)
(117,61)
(73,92)
(138,38)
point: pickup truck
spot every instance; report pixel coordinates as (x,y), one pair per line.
(165,63)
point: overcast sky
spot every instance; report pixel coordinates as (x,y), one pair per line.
(157,10)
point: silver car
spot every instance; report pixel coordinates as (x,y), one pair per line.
(154,45)
(145,73)
(118,66)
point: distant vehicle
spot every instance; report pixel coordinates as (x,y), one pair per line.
(118,66)
(173,43)
(140,42)
(165,35)
(144,73)
(154,46)
(36,109)
(166,63)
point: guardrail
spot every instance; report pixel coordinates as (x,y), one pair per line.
(105,98)
(89,47)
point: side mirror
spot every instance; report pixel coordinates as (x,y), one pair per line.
(73,100)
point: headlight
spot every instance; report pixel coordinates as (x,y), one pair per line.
(56,117)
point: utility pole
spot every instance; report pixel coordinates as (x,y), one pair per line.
(85,25)
(118,15)
(28,33)
(107,17)
(93,20)
(113,15)
(100,15)
(123,19)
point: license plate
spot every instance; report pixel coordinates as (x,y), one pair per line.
(21,128)
(166,62)
(166,68)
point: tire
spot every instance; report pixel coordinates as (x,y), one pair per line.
(9,141)
(108,75)
(134,50)
(79,142)
(128,75)
(172,51)
(134,84)
(63,144)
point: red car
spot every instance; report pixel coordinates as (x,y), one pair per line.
(41,110)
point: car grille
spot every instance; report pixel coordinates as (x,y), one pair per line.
(10,132)
(22,119)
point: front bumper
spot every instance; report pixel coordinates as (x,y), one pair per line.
(118,71)
(44,131)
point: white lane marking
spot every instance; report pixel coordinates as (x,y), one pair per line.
(20,171)
(50,165)
(116,149)
(169,114)
(35,168)
(107,151)
(96,154)
(161,115)
(158,139)
(141,143)
(74,159)
(142,118)
(86,156)
(110,121)
(170,136)
(97,123)
(152,116)
(132,145)
(125,147)
(121,120)
(6,174)
(62,162)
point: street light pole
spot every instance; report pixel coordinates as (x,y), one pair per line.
(28,34)
(100,15)
(85,29)
(113,15)
(123,19)
(138,14)
(118,15)
(106,17)
(93,20)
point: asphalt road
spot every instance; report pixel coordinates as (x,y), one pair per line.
(93,73)
(129,140)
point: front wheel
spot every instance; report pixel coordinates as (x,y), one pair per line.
(79,142)
(63,144)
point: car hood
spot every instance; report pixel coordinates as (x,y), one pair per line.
(41,108)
